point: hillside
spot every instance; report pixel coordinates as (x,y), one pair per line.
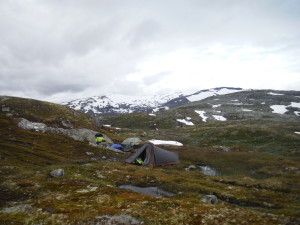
(254,185)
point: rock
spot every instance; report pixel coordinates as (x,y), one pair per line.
(89,153)
(67,123)
(27,125)
(50,209)
(17,209)
(118,220)
(191,167)
(57,173)
(224,148)
(5,109)
(212,199)
(131,141)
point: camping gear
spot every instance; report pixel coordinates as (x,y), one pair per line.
(99,138)
(154,156)
(117,146)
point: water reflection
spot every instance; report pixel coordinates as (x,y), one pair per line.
(153,191)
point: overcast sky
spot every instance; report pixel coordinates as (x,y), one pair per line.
(60,50)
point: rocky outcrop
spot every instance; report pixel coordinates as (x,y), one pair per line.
(82,134)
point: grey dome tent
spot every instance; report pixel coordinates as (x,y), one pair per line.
(154,156)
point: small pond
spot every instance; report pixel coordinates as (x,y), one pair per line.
(153,191)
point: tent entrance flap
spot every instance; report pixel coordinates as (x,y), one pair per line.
(154,156)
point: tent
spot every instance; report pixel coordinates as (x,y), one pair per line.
(150,154)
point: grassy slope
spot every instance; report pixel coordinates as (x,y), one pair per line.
(89,189)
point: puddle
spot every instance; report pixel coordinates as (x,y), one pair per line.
(153,191)
(209,171)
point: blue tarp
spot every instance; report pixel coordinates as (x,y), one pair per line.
(117,146)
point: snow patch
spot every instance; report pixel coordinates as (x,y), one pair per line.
(164,142)
(272,93)
(220,118)
(295,104)
(215,106)
(151,114)
(201,113)
(297,132)
(189,123)
(246,110)
(211,92)
(279,109)
(297,113)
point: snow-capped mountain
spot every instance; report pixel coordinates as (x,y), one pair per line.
(111,104)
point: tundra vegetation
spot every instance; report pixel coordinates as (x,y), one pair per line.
(257,164)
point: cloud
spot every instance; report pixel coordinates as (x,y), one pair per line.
(59,49)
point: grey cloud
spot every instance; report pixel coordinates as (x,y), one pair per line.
(71,46)
(155,77)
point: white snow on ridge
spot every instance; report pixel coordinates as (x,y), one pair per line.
(211,92)
(215,106)
(295,104)
(163,142)
(221,118)
(189,123)
(280,109)
(272,93)
(201,113)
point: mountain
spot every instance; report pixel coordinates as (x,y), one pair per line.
(210,105)
(251,166)
(114,104)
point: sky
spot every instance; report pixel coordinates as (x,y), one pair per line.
(62,50)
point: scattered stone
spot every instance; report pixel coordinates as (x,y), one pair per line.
(191,167)
(211,199)
(224,148)
(5,109)
(9,167)
(89,153)
(19,208)
(118,219)
(50,209)
(57,173)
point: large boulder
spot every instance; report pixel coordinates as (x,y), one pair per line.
(132,141)
(27,125)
